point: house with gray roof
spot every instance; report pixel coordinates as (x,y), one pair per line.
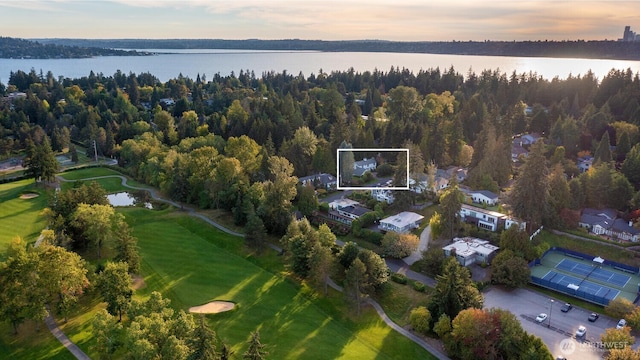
(319,181)
(364,165)
(346,210)
(484,197)
(606,222)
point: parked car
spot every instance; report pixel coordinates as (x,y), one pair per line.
(593,317)
(622,323)
(542,317)
(566,307)
(581,331)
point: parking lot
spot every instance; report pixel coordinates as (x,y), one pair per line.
(558,330)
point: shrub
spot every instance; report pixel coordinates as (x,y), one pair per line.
(443,326)
(420,318)
(418,286)
(399,278)
(385,170)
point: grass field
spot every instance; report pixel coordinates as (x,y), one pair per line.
(111,185)
(192,263)
(20,217)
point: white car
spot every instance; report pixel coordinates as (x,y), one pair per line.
(542,317)
(622,323)
(581,331)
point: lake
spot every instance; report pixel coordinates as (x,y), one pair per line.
(190,63)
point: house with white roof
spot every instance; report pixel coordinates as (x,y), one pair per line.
(487,219)
(469,251)
(403,222)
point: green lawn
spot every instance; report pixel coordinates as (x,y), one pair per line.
(20,217)
(111,185)
(192,263)
(30,344)
(594,248)
(88,173)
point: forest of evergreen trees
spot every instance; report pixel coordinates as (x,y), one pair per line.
(233,141)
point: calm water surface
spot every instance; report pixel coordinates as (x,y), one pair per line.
(190,63)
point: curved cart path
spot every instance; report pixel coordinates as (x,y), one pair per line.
(154,194)
(64,340)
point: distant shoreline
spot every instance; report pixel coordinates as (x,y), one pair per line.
(597,49)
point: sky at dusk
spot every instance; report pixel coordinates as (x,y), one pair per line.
(402,20)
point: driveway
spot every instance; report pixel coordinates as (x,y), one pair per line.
(560,335)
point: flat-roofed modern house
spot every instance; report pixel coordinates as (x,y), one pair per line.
(403,222)
(346,210)
(487,219)
(469,251)
(364,165)
(320,181)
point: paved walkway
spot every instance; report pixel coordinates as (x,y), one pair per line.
(411,336)
(64,340)
(423,245)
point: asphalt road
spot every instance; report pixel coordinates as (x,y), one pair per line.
(560,336)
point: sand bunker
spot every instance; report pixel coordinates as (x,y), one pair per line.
(213,307)
(29,196)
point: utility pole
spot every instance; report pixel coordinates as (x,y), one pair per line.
(95,150)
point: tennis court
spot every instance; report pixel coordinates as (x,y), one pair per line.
(581,285)
(585,276)
(593,271)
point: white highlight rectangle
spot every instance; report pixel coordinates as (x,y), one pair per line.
(338,187)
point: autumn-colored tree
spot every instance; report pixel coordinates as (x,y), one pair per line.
(619,308)
(617,338)
(398,246)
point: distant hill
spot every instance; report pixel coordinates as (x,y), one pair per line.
(12,48)
(577,49)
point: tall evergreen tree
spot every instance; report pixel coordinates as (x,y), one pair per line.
(603,151)
(529,197)
(631,166)
(203,341)
(454,291)
(256,349)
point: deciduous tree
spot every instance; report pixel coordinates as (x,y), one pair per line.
(398,246)
(619,308)
(510,270)
(420,319)
(355,284)
(115,286)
